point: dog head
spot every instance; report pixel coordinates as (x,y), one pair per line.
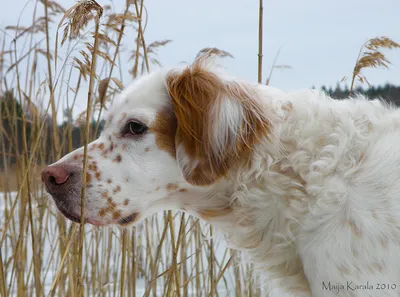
(168,137)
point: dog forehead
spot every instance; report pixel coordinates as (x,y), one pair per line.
(146,92)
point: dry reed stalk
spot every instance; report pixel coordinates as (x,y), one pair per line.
(260,40)
(371,58)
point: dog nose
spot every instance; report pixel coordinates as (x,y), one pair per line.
(54,176)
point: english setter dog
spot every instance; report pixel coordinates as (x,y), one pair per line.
(305,186)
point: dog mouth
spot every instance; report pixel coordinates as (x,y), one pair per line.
(76,218)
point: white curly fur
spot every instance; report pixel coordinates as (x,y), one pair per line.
(317,208)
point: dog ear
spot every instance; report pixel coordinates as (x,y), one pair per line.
(218,122)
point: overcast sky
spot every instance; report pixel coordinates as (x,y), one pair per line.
(319,39)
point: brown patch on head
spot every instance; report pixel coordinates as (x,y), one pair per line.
(117,159)
(171,187)
(200,98)
(164,128)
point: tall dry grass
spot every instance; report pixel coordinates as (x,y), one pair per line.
(43,254)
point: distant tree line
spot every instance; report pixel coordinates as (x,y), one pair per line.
(20,124)
(13,117)
(387,92)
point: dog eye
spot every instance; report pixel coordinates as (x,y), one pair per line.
(136,128)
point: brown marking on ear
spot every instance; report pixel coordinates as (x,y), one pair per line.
(196,95)
(164,128)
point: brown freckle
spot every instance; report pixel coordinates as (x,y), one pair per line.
(183,190)
(172,187)
(116,214)
(147,149)
(126,202)
(112,146)
(384,241)
(88,178)
(101,146)
(76,157)
(104,194)
(354,228)
(102,212)
(117,159)
(117,189)
(109,181)
(111,202)
(98,175)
